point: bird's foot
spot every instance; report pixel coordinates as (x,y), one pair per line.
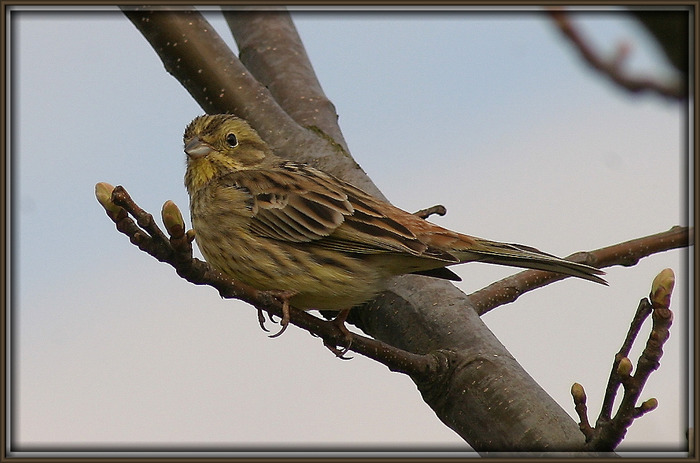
(283,296)
(339,323)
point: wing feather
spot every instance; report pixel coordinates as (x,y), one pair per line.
(297,203)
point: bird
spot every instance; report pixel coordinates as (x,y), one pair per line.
(312,238)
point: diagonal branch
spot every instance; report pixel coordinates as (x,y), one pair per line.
(271,49)
(200,60)
(627,254)
(177,251)
(194,53)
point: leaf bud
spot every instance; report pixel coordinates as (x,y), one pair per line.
(172,219)
(578,393)
(661,289)
(624,368)
(103,192)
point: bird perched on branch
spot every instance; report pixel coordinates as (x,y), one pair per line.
(314,239)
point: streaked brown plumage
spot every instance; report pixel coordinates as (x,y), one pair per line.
(281,225)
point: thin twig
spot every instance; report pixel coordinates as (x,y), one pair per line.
(627,254)
(612,68)
(579,395)
(615,379)
(438,209)
(609,432)
(145,233)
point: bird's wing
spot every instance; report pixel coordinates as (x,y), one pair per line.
(384,226)
(296,203)
(290,207)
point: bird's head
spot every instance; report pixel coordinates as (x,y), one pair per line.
(218,144)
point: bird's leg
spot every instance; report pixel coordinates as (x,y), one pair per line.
(284,296)
(339,323)
(285,318)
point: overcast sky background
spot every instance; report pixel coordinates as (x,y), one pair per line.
(492,115)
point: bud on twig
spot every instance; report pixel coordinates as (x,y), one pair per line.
(649,405)
(624,368)
(103,192)
(190,235)
(578,393)
(172,219)
(661,289)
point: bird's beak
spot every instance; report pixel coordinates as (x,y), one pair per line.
(196,148)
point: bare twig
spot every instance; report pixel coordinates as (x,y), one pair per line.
(438,209)
(579,395)
(616,374)
(612,68)
(177,251)
(670,28)
(627,254)
(609,431)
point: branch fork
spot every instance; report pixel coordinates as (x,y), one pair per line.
(610,430)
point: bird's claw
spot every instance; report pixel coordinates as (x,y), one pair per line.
(340,353)
(283,323)
(339,323)
(261,320)
(284,296)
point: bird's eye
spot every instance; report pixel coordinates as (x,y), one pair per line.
(231,140)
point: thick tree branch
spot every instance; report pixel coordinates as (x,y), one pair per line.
(200,60)
(271,49)
(627,254)
(474,385)
(194,53)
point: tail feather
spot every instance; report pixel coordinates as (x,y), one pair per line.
(515,255)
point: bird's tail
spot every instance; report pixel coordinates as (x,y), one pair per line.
(517,255)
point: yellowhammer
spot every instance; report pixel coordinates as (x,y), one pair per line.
(322,243)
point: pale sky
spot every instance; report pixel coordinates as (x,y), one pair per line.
(492,115)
